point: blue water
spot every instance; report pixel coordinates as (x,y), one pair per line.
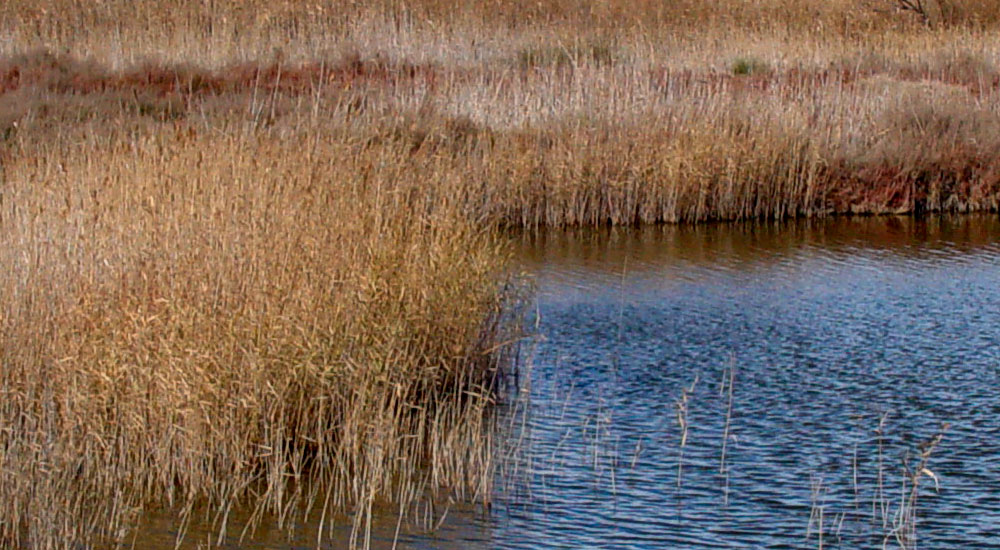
(829,328)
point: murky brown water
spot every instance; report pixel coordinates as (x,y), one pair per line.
(826,328)
(451,532)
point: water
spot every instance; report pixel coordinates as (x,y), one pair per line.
(849,343)
(827,325)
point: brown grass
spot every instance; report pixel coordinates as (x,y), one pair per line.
(192,318)
(250,248)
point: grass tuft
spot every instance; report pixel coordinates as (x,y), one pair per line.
(749,66)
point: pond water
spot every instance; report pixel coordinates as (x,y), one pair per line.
(751,386)
(832,332)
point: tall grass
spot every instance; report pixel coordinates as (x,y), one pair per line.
(567,112)
(250,250)
(197,318)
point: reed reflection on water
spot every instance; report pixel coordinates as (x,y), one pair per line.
(749,386)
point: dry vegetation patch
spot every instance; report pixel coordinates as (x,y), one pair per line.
(190,319)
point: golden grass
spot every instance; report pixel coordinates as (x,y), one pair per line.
(250,248)
(578,112)
(192,318)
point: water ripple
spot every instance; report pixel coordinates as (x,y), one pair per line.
(829,327)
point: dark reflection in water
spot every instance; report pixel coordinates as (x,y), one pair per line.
(830,327)
(461,528)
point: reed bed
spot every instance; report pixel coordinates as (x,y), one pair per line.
(195,320)
(251,251)
(575,113)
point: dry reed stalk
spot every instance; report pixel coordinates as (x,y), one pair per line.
(904,530)
(681,404)
(817,508)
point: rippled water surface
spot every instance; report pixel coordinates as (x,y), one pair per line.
(848,343)
(829,328)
